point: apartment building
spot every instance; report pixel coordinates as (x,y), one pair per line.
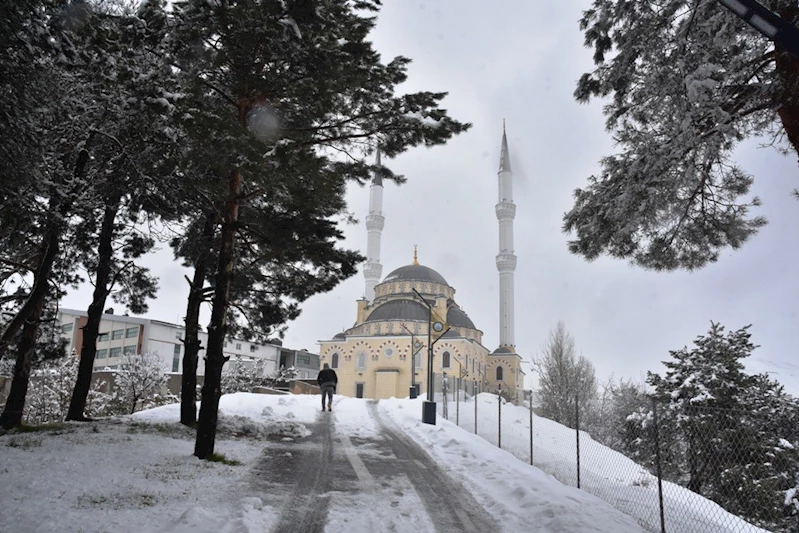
(120,335)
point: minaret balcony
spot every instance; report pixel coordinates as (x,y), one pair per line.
(375,222)
(506,262)
(372,270)
(506,211)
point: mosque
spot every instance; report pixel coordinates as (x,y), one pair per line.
(374,358)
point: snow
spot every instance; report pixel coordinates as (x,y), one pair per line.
(137,473)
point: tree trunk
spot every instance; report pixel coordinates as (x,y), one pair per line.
(91,330)
(12,413)
(50,239)
(191,342)
(41,279)
(214,357)
(31,312)
(787,66)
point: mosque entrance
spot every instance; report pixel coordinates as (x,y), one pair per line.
(359,390)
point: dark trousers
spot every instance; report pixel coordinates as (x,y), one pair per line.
(327,392)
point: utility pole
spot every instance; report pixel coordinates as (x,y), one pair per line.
(429,407)
(416,347)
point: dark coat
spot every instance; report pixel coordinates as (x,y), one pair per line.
(327,376)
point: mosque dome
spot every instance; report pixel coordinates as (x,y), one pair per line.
(399,310)
(415,273)
(339,336)
(456,317)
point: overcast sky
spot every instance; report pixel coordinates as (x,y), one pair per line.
(519,61)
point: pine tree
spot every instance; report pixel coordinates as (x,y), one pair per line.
(135,185)
(273,91)
(687,81)
(725,434)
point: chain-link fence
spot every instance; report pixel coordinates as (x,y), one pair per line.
(681,471)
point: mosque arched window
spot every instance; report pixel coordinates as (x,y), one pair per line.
(360,361)
(334,360)
(445,360)
(499,373)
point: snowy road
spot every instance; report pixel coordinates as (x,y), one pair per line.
(364,477)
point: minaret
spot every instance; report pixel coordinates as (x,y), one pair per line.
(372,269)
(506,260)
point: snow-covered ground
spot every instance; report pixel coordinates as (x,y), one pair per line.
(603,472)
(137,473)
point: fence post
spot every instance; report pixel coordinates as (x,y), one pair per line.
(458,403)
(444,392)
(499,417)
(577,430)
(475,406)
(531,428)
(657,462)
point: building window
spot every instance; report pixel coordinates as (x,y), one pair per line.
(117,334)
(334,361)
(66,328)
(238,346)
(499,373)
(132,332)
(176,358)
(253,347)
(360,362)
(114,352)
(178,334)
(101,354)
(445,360)
(388,352)
(103,337)
(129,350)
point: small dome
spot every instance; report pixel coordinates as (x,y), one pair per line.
(415,273)
(339,336)
(399,310)
(503,350)
(456,317)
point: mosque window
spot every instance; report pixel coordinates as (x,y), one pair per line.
(445,360)
(388,351)
(499,373)
(334,361)
(360,361)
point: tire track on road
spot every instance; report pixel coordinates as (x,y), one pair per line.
(449,505)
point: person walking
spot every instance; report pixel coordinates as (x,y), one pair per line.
(327,380)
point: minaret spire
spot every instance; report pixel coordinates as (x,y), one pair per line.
(415,257)
(506,260)
(504,158)
(375,221)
